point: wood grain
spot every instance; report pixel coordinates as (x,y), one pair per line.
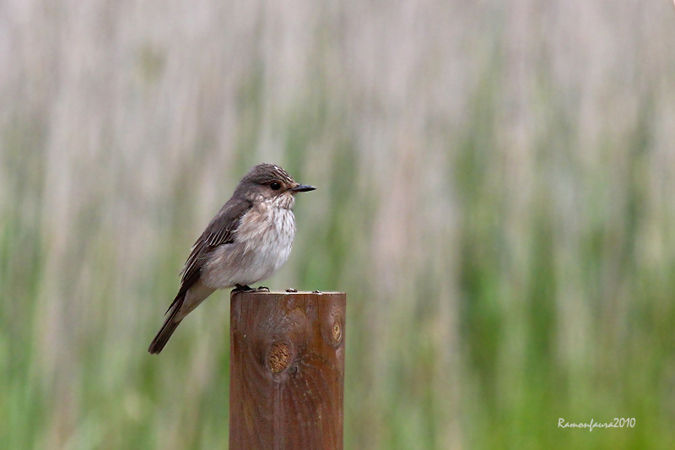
(287,370)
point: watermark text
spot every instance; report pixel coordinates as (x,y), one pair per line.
(616,423)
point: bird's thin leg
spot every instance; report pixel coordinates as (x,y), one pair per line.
(240,288)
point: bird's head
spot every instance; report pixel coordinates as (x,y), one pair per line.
(269,182)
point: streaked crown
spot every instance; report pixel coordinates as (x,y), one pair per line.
(266,174)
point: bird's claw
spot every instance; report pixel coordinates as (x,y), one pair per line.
(240,288)
(262,289)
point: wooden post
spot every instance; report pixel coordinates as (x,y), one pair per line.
(287,370)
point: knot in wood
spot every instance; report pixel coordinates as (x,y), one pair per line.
(279,356)
(334,331)
(337,331)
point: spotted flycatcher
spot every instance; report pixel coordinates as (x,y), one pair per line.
(248,240)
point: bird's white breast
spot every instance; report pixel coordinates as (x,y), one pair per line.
(262,244)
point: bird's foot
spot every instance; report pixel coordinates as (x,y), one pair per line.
(262,289)
(240,288)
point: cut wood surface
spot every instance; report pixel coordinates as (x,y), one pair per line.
(287,370)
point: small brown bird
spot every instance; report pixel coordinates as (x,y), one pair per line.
(249,239)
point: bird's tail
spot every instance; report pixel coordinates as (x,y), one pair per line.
(169,326)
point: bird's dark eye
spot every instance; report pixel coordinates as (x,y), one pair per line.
(275,186)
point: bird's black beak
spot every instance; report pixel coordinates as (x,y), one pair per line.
(302,188)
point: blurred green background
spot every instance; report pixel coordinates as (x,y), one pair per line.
(496,194)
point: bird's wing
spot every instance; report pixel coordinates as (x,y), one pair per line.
(220,231)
